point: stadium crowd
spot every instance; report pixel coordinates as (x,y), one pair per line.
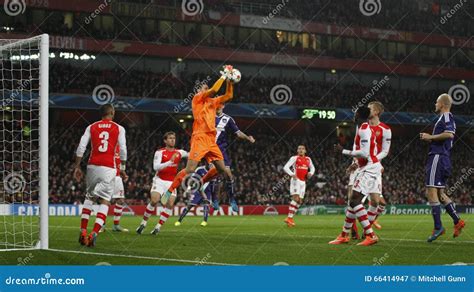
(258,169)
(405,15)
(252,89)
(399,15)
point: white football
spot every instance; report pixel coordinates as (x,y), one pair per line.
(236,76)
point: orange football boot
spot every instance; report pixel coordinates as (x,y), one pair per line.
(369,240)
(290,222)
(376,224)
(458,228)
(340,239)
(83,237)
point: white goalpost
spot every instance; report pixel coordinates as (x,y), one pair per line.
(24,73)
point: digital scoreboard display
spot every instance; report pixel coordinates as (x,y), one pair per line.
(321,114)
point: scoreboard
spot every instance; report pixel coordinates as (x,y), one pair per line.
(318,113)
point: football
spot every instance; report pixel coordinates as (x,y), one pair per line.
(236,76)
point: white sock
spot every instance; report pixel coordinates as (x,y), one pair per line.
(293,208)
(372,213)
(350,219)
(165,214)
(150,209)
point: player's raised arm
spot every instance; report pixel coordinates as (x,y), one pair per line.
(215,88)
(229,93)
(387,138)
(242,135)
(287,167)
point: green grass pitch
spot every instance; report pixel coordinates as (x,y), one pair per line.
(252,240)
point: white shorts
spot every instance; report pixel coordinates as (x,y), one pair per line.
(297,187)
(352,177)
(161,186)
(100,181)
(368,179)
(119,192)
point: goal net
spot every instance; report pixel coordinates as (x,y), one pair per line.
(24,143)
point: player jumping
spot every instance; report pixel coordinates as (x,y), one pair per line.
(203,139)
(104,136)
(165,163)
(365,180)
(438,167)
(300,167)
(224,125)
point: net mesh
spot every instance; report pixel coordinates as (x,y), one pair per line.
(19,151)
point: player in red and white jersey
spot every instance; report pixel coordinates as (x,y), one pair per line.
(165,163)
(365,181)
(300,167)
(383,138)
(103,136)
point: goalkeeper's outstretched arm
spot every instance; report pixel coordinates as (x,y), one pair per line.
(215,88)
(229,93)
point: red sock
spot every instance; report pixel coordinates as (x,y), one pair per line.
(177,180)
(85,218)
(349,221)
(380,210)
(361,214)
(165,214)
(117,214)
(148,212)
(99,221)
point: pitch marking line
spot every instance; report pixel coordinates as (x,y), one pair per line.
(141,257)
